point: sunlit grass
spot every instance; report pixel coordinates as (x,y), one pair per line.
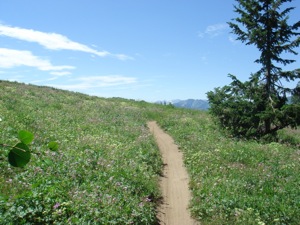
(106,168)
(235,181)
(290,136)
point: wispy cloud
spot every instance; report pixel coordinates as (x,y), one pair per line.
(87,82)
(53,41)
(233,40)
(43,80)
(10,58)
(214,30)
(60,73)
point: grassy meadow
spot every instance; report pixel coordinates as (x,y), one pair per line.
(107,166)
(235,181)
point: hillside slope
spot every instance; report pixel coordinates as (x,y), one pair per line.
(107,166)
(236,181)
(105,170)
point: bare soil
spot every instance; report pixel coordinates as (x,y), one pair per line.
(174,183)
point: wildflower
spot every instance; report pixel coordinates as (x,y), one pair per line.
(56,206)
(38,170)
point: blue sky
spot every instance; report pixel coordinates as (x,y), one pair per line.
(136,49)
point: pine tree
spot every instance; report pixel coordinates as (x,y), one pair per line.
(261,102)
(296,95)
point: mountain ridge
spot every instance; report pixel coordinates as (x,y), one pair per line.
(199,104)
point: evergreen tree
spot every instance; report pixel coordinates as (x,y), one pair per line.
(259,106)
(296,95)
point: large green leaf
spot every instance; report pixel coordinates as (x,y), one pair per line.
(25,137)
(53,146)
(19,155)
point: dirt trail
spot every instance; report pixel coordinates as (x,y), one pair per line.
(173,183)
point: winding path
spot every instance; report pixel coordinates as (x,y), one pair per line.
(173,183)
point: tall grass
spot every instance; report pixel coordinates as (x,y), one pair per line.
(235,181)
(107,165)
(106,168)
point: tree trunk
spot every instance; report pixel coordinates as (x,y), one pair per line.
(268,64)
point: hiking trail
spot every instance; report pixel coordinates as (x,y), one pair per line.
(174,182)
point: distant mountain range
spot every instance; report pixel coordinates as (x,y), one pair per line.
(188,104)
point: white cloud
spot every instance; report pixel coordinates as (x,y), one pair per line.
(83,83)
(214,30)
(124,57)
(53,41)
(232,40)
(10,58)
(60,73)
(44,80)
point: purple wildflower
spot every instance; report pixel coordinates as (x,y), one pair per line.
(56,206)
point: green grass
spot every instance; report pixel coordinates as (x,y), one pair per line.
(234,181)
(107,166)
(290,136)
